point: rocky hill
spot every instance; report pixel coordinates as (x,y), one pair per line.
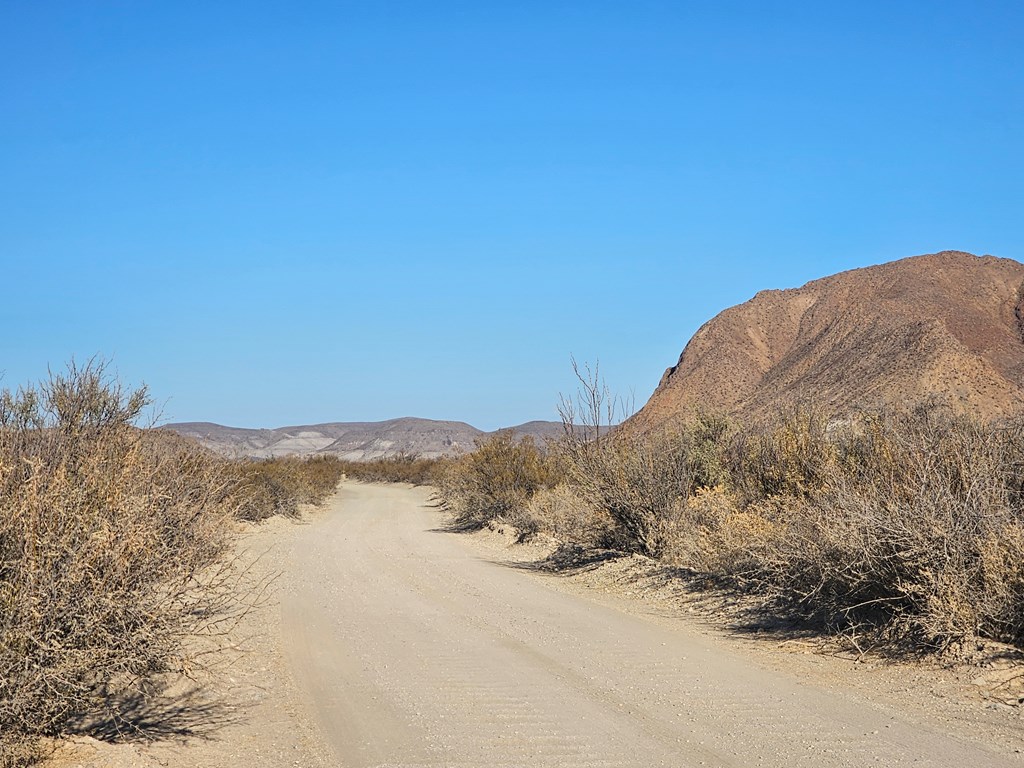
(947,324)
(356,441)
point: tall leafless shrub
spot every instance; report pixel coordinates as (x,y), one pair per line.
(640,479)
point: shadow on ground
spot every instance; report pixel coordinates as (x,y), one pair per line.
(567,560)
(682,591)
(148,715)
(732,609)
(456,528)
(716,602)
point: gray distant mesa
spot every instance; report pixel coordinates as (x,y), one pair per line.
(355,441)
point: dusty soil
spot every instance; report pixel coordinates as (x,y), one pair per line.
(391,642)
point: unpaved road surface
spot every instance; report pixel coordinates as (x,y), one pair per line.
(408,647)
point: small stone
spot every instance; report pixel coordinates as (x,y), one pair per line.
(999,706)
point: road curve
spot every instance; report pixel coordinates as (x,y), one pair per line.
(410,649)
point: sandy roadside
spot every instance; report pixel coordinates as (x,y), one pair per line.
(246,709)
(262,706)
(981,701)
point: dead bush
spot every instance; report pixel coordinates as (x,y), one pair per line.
(111,552)
(642,480)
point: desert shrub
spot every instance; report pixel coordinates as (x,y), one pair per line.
(265,488)
(906,525)
(496,481)
(319,476)
(277,486)
(563,514)
(916,536)
(642,480)
(111,552)
(790,455)
(401,468)
(714,534)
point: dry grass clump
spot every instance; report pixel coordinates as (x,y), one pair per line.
(497,481)
(111,552)
(277,486)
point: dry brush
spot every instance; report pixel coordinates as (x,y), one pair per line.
(115,548)
(899,528)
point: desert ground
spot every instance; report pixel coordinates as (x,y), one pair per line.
(386,640)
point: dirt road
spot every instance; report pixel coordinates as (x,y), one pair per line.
(413,649)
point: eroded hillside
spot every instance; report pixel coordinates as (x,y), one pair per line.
(945,324)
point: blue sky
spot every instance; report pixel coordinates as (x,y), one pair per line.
(283,213)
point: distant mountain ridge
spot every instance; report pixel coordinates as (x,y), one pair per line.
(948,325)
(356,441)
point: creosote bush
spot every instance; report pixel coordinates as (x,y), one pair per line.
(277,486)
(112,548)
(790,455)
(497,481)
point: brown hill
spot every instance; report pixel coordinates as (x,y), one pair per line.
(357,441)
(947,324)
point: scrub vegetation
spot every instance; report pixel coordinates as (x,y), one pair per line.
(115,549)
(401,468)
(901,530)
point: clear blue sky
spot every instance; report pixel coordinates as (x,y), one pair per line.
(281,213)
